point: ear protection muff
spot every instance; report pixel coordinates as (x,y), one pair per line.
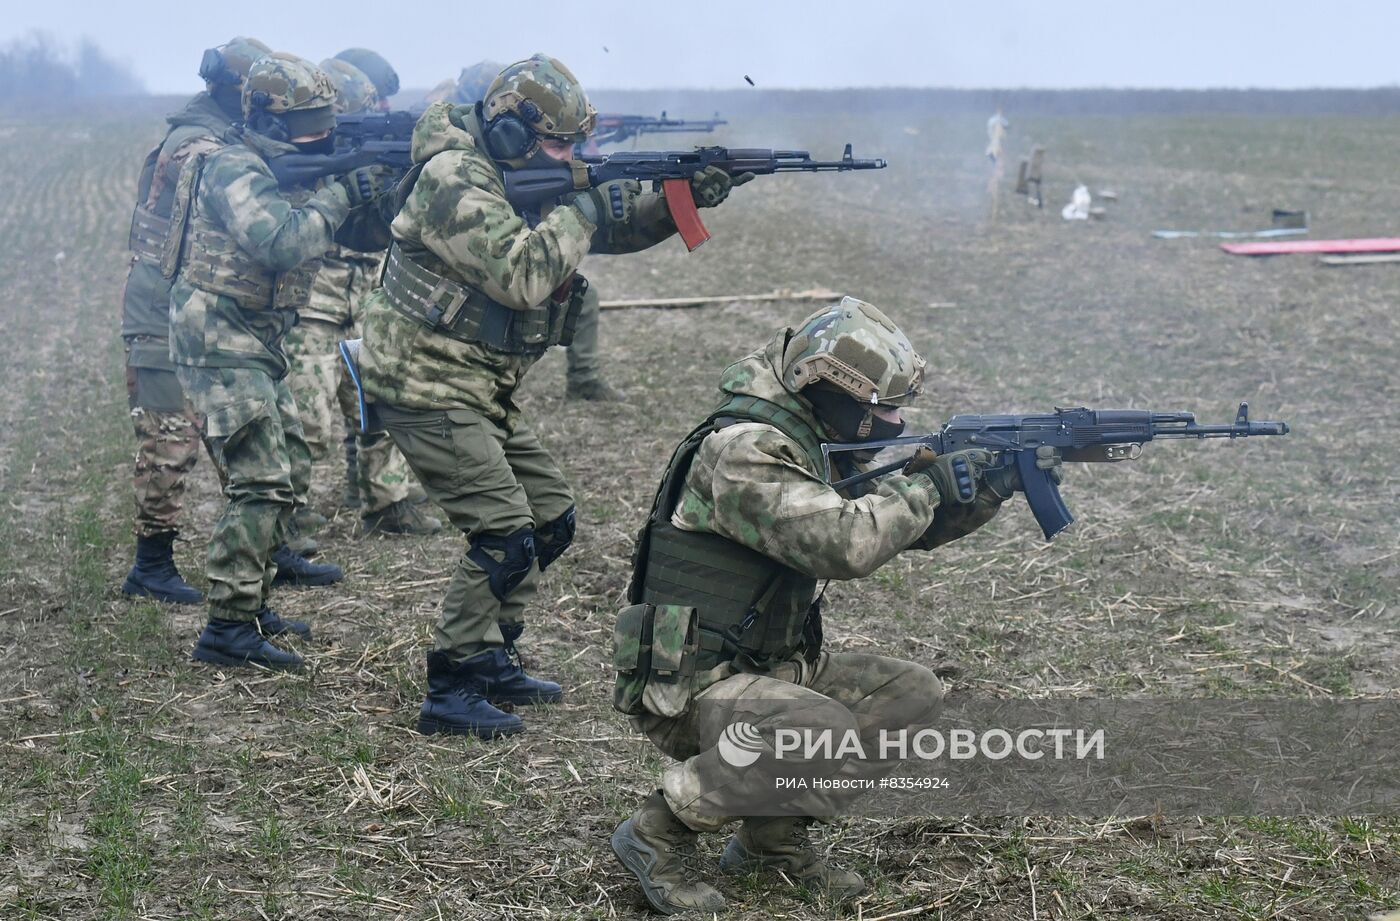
(508,137)
(214,69)
(263,121)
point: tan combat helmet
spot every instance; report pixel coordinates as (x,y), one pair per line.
(287,97)
(354,91)
(473,82)
(373,65)
(545,100)
(857,349)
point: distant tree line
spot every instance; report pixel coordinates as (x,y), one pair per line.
(37,67)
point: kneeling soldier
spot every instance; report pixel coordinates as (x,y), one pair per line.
(725,610)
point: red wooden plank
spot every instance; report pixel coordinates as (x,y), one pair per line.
(1282,247)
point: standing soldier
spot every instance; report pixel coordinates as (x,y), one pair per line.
(247,252)
(167,427)
(583,378)
(474,293)
(378,479)
(743,528)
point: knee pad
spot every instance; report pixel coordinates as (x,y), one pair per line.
(556,536)
(517,555)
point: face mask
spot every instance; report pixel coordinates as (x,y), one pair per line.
(325,145)
(229,99)
(850,419)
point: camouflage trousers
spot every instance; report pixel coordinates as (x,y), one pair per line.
(840,692)
(583,350)
(323,392)
(167,435)
(493,480)
(254,437)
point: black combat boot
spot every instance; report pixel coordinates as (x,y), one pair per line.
(297,570)
(455,704)
(239,642)
(503,677)
(154,575)
(272,624)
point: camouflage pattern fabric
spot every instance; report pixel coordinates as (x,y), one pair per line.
(325,393)
(354,91)
(489,479)
(254,436)
(288,83)
(839,692)
(855,347)
(558,107)
(456,222)
(167,443)
(239,204)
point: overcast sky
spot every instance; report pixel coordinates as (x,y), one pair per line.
(817,43)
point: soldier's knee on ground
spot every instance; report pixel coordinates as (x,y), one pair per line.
(506,559)
(911,696)
(554,537)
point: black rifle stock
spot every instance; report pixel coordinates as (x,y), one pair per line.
(363,139)
(1081,435)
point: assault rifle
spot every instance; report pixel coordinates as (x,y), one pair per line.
(363,139)
(531,188)
(1081,435)
(614,129)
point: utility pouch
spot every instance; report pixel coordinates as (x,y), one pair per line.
(631,657)
(674,642)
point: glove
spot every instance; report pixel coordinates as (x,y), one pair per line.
(1006,481)
(711,185)
(612,203)
(362,185)
(956,474)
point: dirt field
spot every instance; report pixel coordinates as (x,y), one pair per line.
(134,784)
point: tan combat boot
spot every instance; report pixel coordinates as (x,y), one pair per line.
(782,843)
(660,850)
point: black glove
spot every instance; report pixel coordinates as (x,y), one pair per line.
(1006,481)
(613,202)
(362,185)
(956,474)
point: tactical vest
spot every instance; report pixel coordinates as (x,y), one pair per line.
(149,228)
(748,605)
(209,258)
(459,311)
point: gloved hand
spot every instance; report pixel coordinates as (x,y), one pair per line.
(711,185)
(362,185)
(1006,481)
(956,474)
(611,203)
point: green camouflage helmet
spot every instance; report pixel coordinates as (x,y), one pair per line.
(372,64)
(228,64)
(545,95)
(856,348)
(279,83)
(354,91)
(474,81)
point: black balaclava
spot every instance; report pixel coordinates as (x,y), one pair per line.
(229,98)
(325,145)
(848,417)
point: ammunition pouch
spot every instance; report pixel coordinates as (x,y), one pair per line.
(463,313)
(655,655)
(148,234)
(213,262)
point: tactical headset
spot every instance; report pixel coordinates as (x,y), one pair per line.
(508,136)
(213,68)
(264,122)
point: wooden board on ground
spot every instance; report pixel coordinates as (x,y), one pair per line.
(815,294)
(1361,259)
(1371,245)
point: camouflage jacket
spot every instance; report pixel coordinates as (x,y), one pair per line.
(200,127)
(344,281)
(456,222)
(754,485)
(246,233)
